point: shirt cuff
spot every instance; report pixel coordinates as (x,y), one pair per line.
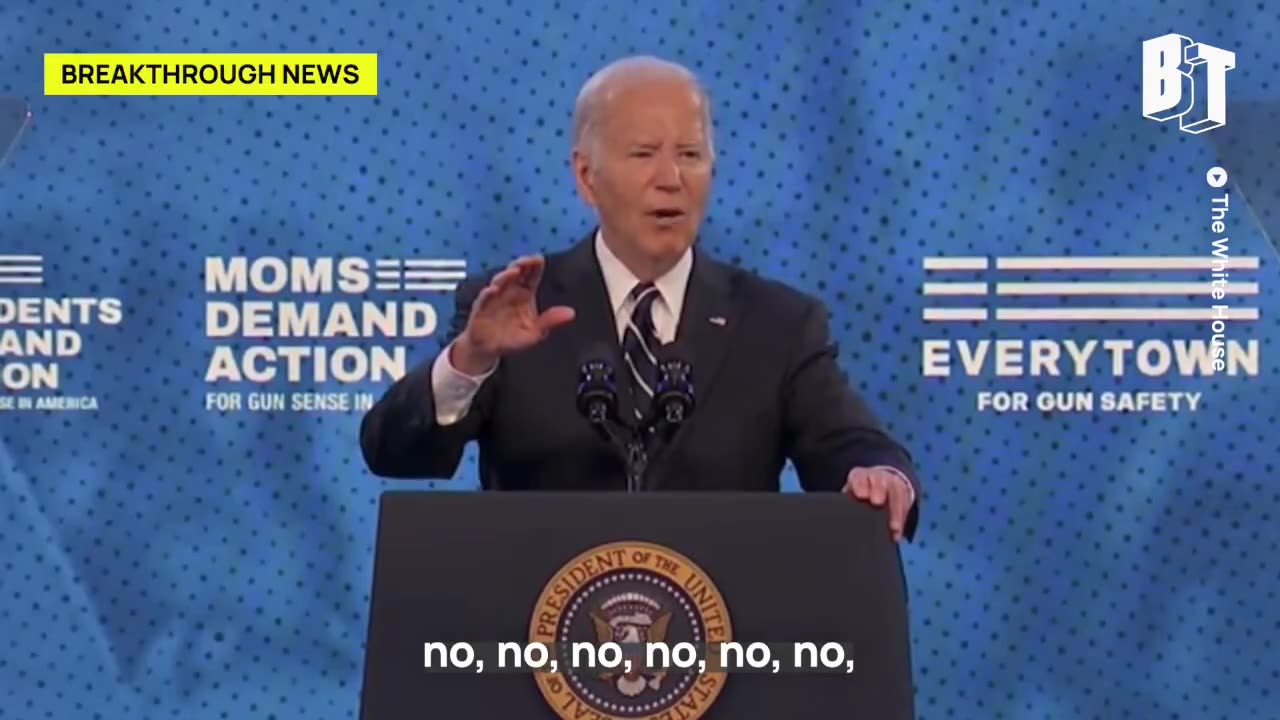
(901,476)
(453,389)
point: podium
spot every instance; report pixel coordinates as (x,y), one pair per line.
(700,568)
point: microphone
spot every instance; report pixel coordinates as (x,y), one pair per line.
(673,401)
(597,401)
(673,398)
(597,392)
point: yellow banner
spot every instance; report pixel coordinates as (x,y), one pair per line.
(211,74)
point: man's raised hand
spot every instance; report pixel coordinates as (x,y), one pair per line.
(505,318)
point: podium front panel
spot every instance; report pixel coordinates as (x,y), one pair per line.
(473,567)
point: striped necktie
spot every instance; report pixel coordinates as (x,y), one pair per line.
(638,343)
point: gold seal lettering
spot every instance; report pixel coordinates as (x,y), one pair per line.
(650,559)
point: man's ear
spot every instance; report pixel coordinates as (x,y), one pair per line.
(582,176)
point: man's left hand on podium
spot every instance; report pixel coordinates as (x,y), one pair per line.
(880,486)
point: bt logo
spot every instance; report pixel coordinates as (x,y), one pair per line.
(1186,80)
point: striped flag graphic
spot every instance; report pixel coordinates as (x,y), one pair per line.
(21,270)
(412,274)
(1067,278)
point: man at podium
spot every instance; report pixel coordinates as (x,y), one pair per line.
(765,382)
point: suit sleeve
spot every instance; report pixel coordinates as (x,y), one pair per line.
(829,428)
(400,437)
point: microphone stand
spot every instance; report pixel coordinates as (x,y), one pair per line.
(637,462)
(627,441)
(598,401)
(673,402)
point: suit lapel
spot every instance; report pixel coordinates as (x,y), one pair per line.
(707,323)
(576,281)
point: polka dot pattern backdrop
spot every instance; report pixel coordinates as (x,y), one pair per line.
(163,560)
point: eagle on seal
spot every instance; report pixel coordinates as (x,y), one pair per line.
(632,619)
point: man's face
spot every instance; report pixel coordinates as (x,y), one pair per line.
(650,170)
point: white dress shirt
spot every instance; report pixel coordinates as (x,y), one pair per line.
(454,390)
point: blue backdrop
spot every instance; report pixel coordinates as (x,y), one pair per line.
(162,559)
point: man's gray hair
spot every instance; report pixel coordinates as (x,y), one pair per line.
(596,90)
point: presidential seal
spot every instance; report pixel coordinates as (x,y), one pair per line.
(632,594)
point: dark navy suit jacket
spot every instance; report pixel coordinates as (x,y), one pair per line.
(767,385)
